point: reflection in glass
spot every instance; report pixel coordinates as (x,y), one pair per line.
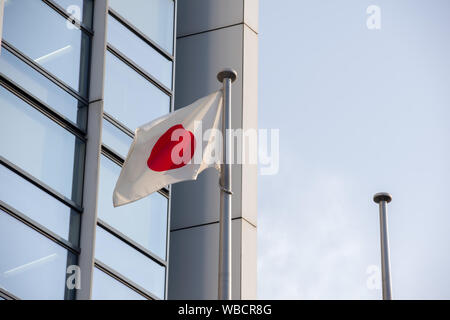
(30,200)
(32,266)
(105,287)
(129,262)
(44,36)
(129,98)
(139,52)
(116,139)
(79,9)
(154,18)
(42,88)
(38,145)
(144,221)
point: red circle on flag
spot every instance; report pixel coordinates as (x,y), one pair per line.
(163,156)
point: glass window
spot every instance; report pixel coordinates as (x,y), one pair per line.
(42,88)
(32,266)
(29,199)
(139,52)
(116,139)
(48,39)
(144,221)
(105,287)
(79,9)
(129,98)
(38,145)
(129,262)
(154,18)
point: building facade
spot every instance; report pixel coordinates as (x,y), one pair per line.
(76,78)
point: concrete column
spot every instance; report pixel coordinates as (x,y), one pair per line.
(213,35)
(93,150)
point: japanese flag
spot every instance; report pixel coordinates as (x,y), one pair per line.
(171,149)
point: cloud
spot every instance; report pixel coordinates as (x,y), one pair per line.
(308,246)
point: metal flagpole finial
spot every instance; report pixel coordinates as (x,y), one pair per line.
(382,196)
(227,73)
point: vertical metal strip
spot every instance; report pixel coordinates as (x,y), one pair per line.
(93,149)
(172,108)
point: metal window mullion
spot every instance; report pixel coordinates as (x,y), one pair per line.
(39,228)
(93,149)
(16,52)
(172,107)
(112,156)
(118,124)
(79,24)
(36,182)
(45,109)
(139,70)
(6,294)
(124,280)
(140,34)
(136,246)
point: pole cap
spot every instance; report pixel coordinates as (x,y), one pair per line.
(227,73)
(382,196)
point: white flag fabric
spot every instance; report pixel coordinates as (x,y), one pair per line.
(170,149)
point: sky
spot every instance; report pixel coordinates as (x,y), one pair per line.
(359,111)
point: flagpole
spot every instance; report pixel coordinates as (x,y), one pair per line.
(226,77)
(383,199)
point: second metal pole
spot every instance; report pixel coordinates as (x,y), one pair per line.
(382,199)
(226,77)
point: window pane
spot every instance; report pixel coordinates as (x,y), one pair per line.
(139,52)
(42,88)
(144,221)
(154,18)
(38,145)
(116,139)
(31,267)
(129,98)
(105,287)
(79,9)
(48,39)
(29,199)
(129,262)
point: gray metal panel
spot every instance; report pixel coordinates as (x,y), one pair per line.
(199,59)
(194,260)
(202,15)
(91,175)
(213,41)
